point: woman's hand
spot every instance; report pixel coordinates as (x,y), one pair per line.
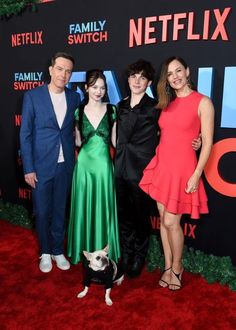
(192,183)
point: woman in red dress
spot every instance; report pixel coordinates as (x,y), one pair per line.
(173,176)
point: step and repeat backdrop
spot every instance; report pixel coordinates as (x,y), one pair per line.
(109,35)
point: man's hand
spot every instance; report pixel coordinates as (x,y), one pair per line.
(31,179)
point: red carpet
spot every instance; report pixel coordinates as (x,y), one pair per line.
(33,300)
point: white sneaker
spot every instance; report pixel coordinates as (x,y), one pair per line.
(45,264)
(61,261)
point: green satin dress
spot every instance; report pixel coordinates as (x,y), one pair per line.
(93,215)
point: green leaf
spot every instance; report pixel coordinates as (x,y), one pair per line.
(12,7)
(16,214)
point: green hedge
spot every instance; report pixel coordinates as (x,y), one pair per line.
(16,214)
(12,7)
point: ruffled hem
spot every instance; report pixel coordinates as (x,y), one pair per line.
(169,190)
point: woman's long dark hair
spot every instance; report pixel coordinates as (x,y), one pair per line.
(165,92)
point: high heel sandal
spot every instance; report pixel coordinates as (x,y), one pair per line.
(179,278)
(166,283)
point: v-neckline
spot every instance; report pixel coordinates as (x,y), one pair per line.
(98,123)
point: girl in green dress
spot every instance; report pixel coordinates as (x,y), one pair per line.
(93,216)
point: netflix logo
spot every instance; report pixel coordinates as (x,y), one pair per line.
(17,120)
(155,222)
(188,228)
(25,194)
(27,38)
(174,26)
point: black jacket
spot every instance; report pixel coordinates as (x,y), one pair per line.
(107,276)
(137,137)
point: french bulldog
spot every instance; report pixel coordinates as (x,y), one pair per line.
(101,269)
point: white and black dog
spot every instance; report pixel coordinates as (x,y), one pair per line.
(101,269)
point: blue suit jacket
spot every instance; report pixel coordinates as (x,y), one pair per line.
(40,134)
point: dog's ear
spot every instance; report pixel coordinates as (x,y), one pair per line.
(106,248)
(87,255)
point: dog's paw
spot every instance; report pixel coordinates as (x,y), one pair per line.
(120,280)
(109,301)
(82,293)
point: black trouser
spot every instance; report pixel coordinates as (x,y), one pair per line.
(133,207)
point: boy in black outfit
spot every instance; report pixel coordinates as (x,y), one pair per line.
(138,134)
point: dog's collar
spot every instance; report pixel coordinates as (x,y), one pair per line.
(114,265)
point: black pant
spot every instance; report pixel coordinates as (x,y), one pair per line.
(133,207)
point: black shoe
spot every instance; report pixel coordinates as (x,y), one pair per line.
(136,268)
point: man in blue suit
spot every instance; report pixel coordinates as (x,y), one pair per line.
(48,155)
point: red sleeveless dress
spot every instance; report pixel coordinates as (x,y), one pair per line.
(166,176)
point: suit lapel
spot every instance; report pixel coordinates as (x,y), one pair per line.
(68,104)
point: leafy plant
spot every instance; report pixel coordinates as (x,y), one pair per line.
(16,214)
(12,7)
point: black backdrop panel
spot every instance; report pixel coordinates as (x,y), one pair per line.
(110,35)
